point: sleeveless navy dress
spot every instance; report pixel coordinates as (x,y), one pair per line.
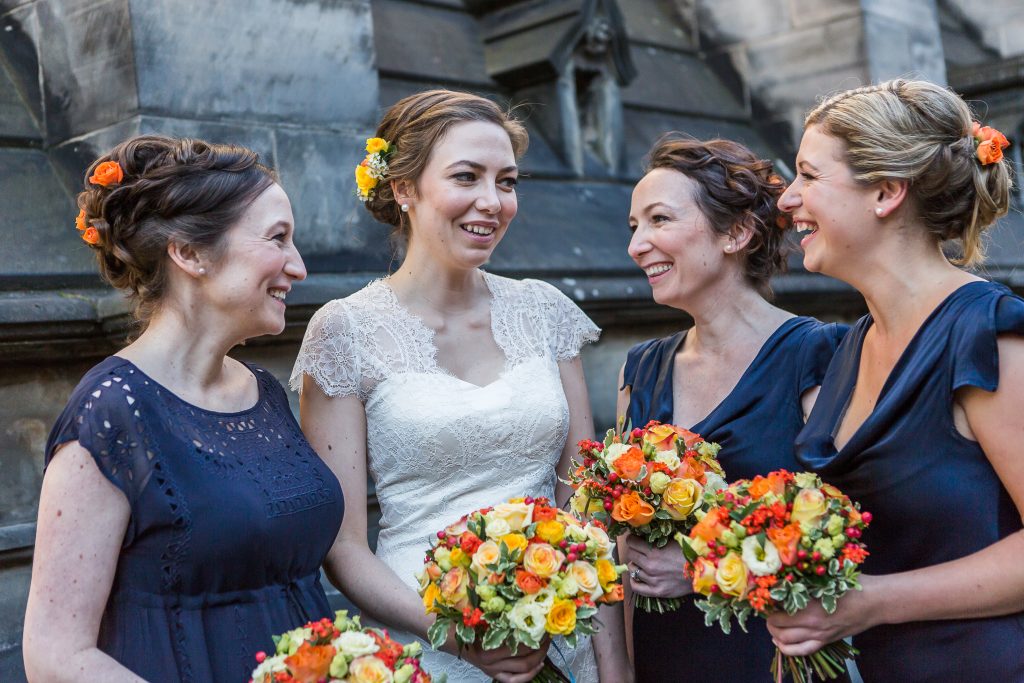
(756,425)
(231,517)
(933,493)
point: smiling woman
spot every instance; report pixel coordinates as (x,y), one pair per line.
(454,387)
(163,486)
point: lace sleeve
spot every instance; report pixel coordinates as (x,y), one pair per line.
(569,327)
(328,353)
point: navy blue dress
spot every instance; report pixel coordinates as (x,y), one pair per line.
(231,517)
(756,425)
(933,493)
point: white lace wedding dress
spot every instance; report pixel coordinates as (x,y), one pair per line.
(438,446)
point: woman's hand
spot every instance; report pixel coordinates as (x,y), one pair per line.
(813,628)
(657,572)
(501,664)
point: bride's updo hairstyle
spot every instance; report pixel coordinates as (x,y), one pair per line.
(413,126)
(733,187)
(921,133)
(151,190)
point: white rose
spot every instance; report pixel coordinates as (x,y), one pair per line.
(713,482)
(612,452)
(518,515)
(602,544)
(760,561)
(496,526)
(264,673)
(355,644)
(528,617)
(668,458)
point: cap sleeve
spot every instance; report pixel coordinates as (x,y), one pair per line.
(569,327)
(329,353)
(816,353)
(974,342)
(633,361)
(108,422)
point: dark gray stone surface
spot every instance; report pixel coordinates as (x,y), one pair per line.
(21,101)
(682,83)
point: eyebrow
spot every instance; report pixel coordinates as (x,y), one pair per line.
(480,167)
(803,162)
(651,206)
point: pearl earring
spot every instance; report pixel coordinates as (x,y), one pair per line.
(878,211)
(202,271)
(728,248)
(405,208)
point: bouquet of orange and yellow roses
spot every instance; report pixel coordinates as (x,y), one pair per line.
(515,573)
(776,543)
(339,651)
(650,482)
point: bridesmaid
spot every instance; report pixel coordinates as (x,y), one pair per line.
(919,415)
(707,232)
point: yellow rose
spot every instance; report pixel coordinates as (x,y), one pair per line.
(703,576)
(550,531)
(517,515)
(586,578)
(487,553)
(584,504)
(453,587)
(808,507)
(731,575)
(459,557)
(369,669)
(364,180)
(681,497)
(561,618)
(430,596)
(543,560)
(374,145)
(606,573)
(514,542)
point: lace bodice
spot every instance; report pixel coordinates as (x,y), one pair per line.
(438,446)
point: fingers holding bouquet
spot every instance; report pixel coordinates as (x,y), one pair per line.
(812,628)
(656,572)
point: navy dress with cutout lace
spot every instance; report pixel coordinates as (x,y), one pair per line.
(756,425)
(231,516)
(934,494)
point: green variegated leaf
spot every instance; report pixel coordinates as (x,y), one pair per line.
(465,634)
(438,632)
(495,636)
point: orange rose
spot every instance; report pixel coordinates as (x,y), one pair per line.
(989,152)
(310,663)
(80,221)
(91,235)
(529,582)
(691,468)
(454,585)
(785,541)
(703,576)
(629,464)
(614,595)
(773,483)
(662,437)
(106,174)
(541,514)
(711,527)
(632,510)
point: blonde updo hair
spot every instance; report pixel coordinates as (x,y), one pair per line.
(172,189)
(414,125)
(921,133)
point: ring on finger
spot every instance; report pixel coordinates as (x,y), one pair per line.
(634,574)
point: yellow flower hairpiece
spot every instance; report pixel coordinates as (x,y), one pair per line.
(373,168)
(989,144)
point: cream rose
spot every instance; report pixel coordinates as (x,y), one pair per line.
(668,458)
(487,553)
(808,507)
(612,453)
(602,543)
(369,670)
(517,515)
(496,526)
(586,578)
(660,482)
(355,644)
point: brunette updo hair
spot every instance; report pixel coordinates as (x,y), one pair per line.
(414,125)
(733,187)
(172,189)
(921,133)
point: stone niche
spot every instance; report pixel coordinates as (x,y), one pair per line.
(567,60)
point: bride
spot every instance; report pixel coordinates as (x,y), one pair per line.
(455,388)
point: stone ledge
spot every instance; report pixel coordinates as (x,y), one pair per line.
(16,537)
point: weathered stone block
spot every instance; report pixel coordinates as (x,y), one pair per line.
(804,13)
(802,53)
(661,22)
(729,21)
(679,82)
(308,62)
(21,100)
(446,48)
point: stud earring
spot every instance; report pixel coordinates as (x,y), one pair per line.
(405,208)
(878,211)
(728,248)
(202,271)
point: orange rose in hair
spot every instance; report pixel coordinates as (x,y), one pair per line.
(106,174)
(989,152)
(629,464)
(80,221)
(91,235)
(632,510)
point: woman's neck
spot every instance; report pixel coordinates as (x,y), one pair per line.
(425,283)
(730,317)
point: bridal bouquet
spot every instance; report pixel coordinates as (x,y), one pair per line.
(776,543)
(339,651)
(650,482)
(513,573)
